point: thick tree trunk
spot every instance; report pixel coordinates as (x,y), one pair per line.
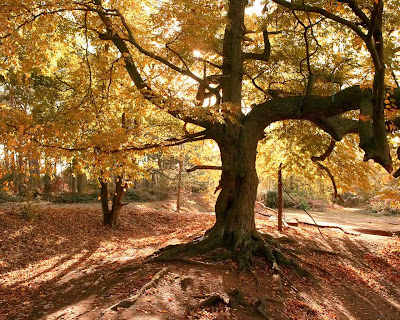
(120,191)
(235,227)
(234,209)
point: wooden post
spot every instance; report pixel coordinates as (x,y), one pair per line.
(280,198)
(178,196)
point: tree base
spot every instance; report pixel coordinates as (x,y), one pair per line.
(219,247)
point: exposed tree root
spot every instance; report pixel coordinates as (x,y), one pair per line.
(255,277)
(323,270)
(329,227)
(209,301)
(187,261)
(132,300)
(241,249)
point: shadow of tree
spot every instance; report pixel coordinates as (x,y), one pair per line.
(40,273)
(359,282)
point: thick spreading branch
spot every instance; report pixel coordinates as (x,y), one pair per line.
(357,11)
(198,136)
(204,167)
(326,169)
(324,112)
(318,109)
(158,145)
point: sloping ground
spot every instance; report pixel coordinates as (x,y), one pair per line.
(65,265)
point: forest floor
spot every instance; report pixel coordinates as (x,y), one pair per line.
(61,263)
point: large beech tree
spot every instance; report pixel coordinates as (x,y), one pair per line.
(234,63)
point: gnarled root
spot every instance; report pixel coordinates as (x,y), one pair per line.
(240,248)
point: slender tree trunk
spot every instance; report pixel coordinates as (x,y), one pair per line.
(20,175)
(34,173)
(6,160)
(104,202)
(47,185)
(111,217)
(73,183)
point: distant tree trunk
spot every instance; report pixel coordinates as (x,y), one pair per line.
(73,182)
(79,183)
(6,159)
(20,175)
(111,217)
(154,183)
(12,162)
(34,176)
(47,186)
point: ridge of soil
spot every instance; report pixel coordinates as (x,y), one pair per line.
(63,264)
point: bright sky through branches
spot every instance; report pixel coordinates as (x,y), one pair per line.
(256,8)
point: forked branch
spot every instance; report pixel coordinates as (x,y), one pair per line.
(260,56)
(325,155)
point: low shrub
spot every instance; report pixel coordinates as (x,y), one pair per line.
(5,197)
(303,204)
(271,200)
(384,205)
(74,197)
(146,195)
(28,211)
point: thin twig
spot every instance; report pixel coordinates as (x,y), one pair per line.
(316,224)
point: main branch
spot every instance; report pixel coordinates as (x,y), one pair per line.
(326,113)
